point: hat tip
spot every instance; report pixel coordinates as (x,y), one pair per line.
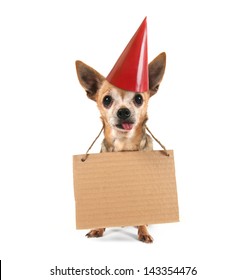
(145,19)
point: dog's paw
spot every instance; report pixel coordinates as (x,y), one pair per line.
(143,235)
(146,238)
(95,232)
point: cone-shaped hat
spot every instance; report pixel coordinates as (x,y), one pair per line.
(130,72)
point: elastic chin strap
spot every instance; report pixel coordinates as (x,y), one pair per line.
(87,152)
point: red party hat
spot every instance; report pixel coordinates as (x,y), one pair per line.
(130,72)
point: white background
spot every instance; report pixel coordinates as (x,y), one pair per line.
(45,118)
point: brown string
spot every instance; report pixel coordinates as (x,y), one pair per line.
(163,147)
(86,154)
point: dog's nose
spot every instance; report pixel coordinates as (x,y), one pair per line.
(123,113)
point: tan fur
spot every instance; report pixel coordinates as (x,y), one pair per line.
(117,139)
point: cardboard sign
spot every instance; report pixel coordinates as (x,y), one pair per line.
(125,189)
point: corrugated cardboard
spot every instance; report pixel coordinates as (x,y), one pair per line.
(125,189)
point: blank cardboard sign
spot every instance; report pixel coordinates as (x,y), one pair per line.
(125,189)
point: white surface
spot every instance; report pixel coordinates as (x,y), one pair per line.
(45,116)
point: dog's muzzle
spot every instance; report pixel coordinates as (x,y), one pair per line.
(125,123)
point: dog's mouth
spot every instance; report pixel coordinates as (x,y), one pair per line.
(125,126)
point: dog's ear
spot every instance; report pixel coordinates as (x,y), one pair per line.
(156,72)
(89,78)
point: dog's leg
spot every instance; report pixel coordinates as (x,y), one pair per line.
(98,232)
(143,235)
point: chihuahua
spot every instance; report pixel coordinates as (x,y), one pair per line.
(124,114)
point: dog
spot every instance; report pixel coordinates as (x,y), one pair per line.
(124,115)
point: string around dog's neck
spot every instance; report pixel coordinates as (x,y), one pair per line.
(163,147)
(87,152)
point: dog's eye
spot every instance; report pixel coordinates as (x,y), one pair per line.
(107,100)
(138,99)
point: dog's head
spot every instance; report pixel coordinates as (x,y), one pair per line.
(121,110)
